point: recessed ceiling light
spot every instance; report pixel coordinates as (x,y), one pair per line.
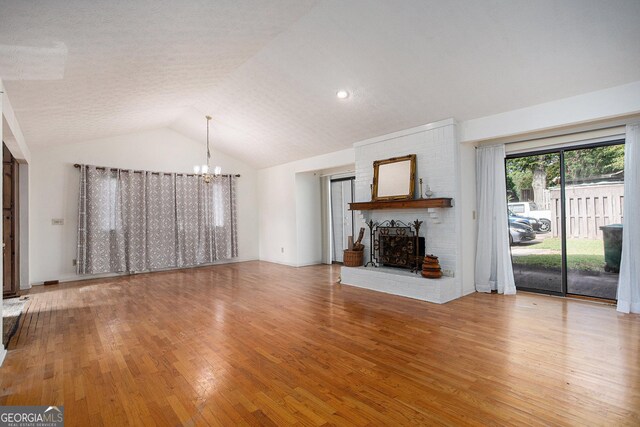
(342,94)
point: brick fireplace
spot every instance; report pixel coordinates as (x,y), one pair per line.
(437,163)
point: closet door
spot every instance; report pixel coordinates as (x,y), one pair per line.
(341,216)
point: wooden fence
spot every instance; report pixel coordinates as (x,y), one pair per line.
(588,208)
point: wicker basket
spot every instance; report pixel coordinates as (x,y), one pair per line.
(353,258)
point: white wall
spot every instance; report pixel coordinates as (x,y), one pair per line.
(608,104)
(308,218)
(279,207)
(466,216)
(12,133)
(54,191)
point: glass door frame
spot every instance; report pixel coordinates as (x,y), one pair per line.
(353,218)
(563,223)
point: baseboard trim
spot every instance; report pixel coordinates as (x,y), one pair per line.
(78,278)
(291,264)
(307,264)
(288,264)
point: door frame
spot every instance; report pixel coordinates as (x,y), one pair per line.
(14,244)
(331,181)
(563,222)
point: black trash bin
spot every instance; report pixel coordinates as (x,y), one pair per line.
(612,236)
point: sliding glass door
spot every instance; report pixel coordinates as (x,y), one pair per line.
(341,216)
(534,232)
(565,219)
(594,196)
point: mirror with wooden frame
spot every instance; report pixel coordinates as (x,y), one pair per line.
(394,179)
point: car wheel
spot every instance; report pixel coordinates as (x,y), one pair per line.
(545,225)
(510,240)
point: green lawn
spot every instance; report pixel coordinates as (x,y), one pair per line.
(582,254)
(574,246)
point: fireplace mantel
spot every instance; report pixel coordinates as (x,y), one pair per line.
(441,202)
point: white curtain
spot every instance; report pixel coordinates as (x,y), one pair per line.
(493,259)
(629,280)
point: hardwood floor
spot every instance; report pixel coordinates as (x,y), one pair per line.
(262,344)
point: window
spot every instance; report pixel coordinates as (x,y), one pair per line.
(517,208)
(218,204)
(108,202)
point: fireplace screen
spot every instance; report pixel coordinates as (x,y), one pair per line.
(396,244)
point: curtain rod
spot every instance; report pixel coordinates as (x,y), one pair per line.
(77,166)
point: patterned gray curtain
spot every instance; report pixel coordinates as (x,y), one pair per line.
(132,221)
(223,204)
(133,193)
(101,243)
(190,228)
(161,220)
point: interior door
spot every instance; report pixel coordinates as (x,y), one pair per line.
(9,224)
(341,216)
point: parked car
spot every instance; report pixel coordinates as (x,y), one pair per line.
(534,223)
(519,232)
(530,209)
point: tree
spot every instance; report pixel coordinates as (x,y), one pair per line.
(521,179)
(539,182)
(533,172)
(593,162)
(539,172)
(511,189)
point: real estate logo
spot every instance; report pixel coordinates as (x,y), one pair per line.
(31,416)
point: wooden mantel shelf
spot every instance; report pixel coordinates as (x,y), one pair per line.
(441,202)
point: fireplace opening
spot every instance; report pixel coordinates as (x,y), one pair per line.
(400,251)
(396,244)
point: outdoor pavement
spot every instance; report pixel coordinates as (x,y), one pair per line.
(600,285)
(596,284)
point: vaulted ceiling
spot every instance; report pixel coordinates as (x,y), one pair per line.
(268,71)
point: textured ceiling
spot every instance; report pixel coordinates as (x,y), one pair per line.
(268,71)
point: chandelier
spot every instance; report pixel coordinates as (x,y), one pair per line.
(204,169)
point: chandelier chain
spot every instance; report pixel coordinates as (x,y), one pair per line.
(208,149)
